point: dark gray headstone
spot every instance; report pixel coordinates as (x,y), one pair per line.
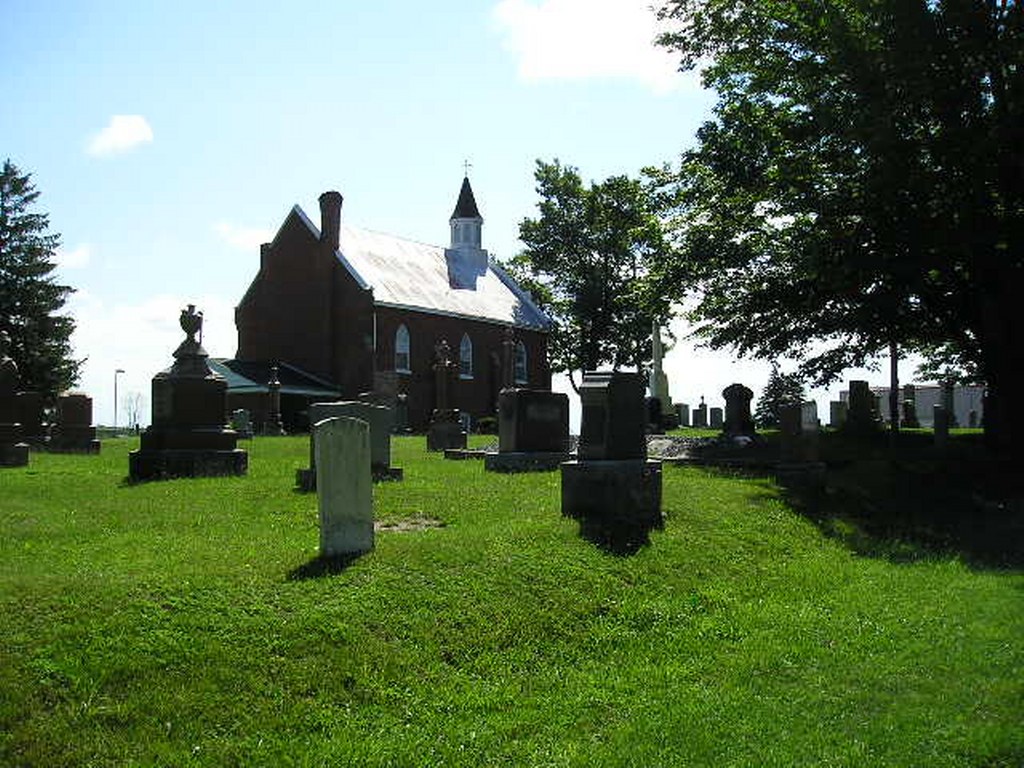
(717,419)
(700,416)
(683,409)
(798,432)
(613,419)
(940,425)
(532,420)
(74,431)
(837,413)
(738,420)
(862,417)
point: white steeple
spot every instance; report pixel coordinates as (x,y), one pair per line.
(466,259)
(466,221)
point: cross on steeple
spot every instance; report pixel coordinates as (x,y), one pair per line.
(466,165)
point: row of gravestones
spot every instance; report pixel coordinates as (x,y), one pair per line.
(714,417)
(612,488)
(21,419)
(734,419)
(859,415)
(700,417)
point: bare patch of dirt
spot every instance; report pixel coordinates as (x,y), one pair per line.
(406,525)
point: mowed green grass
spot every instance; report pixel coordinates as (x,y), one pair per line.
(188,623)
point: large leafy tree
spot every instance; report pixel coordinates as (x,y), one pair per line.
(31,299)
(860,185)
(589,258)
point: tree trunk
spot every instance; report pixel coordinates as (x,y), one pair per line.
(1003,366)
(572,382)
(1003,416)
(894,389)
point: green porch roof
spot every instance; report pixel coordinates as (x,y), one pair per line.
(252,376)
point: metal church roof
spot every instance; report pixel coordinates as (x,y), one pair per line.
(412,275)
(407,274)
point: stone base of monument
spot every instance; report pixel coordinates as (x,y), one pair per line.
(386,474)
(168,463)
(74,440)
(272,429)
(808,475)
(13,450)
(305,479)
(167,452)
(14,455)
(459,454)
(617,502)
(59,446)
(443,435)
(523,461)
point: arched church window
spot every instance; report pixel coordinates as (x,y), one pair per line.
(402,349)
(466,357)
(519,369)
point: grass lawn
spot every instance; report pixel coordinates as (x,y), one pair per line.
(188,623)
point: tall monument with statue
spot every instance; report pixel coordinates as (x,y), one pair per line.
(189,436)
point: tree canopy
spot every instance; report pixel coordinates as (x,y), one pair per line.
(589,259)
(30,297)
(860,183)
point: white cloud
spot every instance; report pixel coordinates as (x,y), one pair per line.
(123,132)
(579,39)
(242,238)
(75,258)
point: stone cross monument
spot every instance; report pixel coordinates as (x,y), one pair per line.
(658,383)
(445,429)
(508,345)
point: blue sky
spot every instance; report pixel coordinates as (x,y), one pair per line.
(169,139)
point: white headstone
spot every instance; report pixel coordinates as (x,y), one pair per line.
(343,485)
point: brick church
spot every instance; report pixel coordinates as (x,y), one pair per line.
(343,311)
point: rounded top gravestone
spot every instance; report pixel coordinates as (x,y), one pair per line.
(738,420)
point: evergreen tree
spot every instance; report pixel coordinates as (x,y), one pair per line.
(30,298)
(781,389)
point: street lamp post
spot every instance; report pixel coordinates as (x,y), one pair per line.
(116,373)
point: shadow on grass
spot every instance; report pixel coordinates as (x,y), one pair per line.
(322,566)
(916,509)
(620,539)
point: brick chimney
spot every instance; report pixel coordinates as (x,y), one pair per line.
(330,219)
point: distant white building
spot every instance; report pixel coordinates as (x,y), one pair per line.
(968,402)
